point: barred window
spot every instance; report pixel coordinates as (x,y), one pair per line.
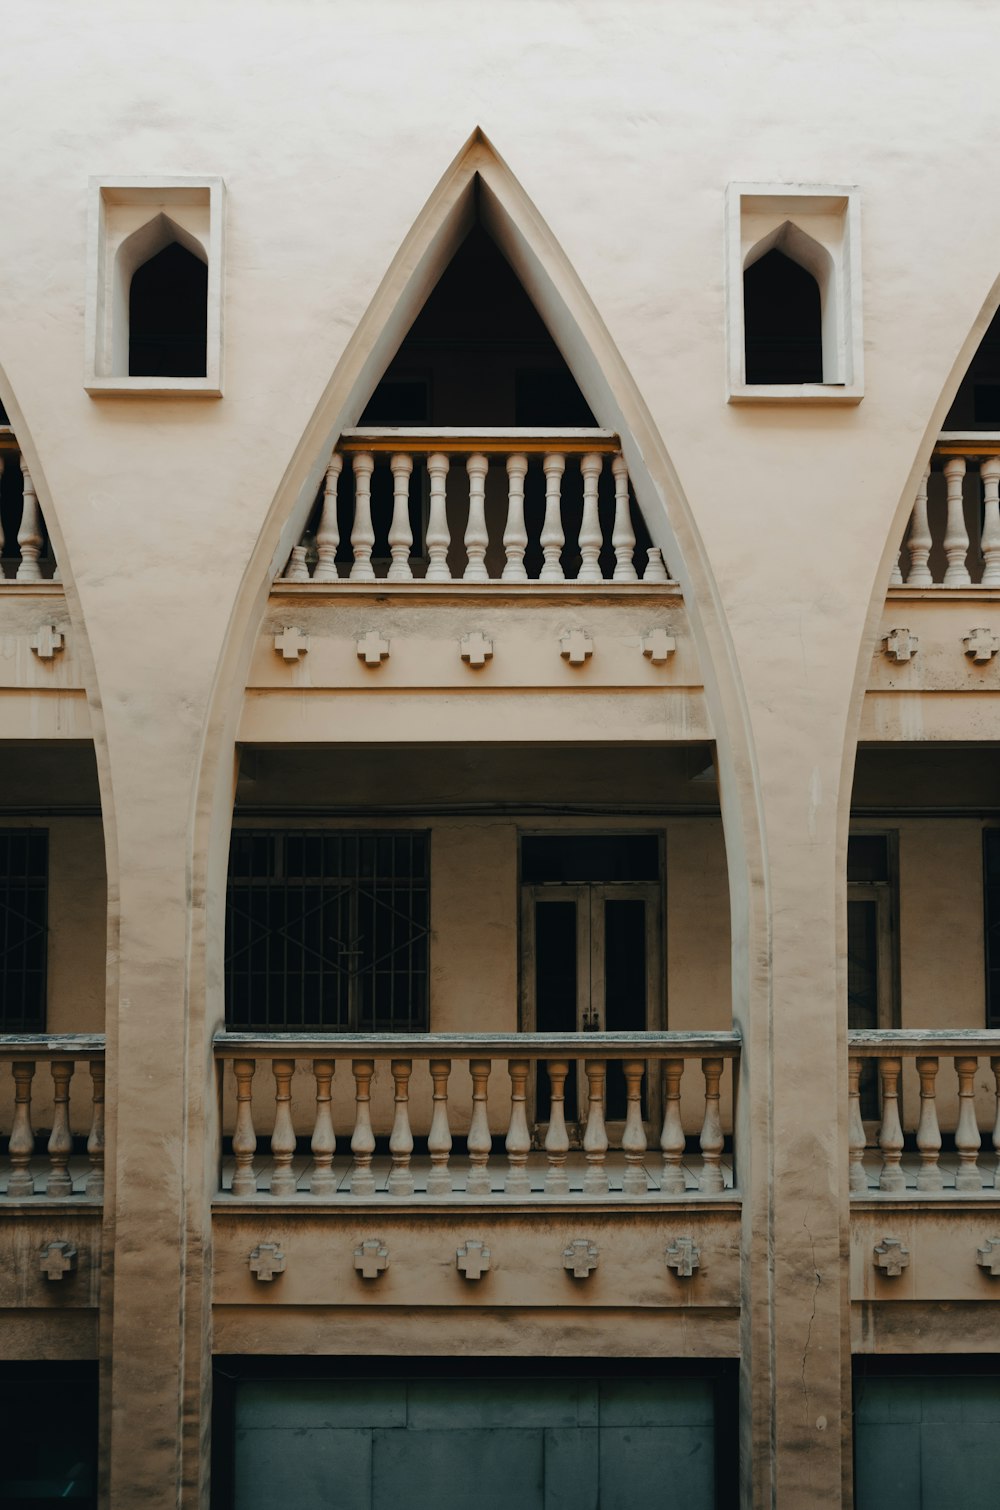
(327,931)
(24,887)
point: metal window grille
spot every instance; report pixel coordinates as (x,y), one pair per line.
(327,931)
(24,897)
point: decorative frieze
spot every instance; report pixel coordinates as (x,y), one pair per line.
(576,646)
(891,1257)
(371,1258)
(581,1257)
(473,1258)
(981,644)
(683,1256)
(658,645)
(988,1256)
(47,641)
(477,648)
(266,1261)
(291,643)
(900,645)
(372,648)
(57,1259)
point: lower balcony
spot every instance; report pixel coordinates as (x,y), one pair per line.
(560,1119)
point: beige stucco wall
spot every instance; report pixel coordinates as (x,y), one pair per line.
(620,127)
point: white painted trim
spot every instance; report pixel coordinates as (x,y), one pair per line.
(130,219)
(820,227)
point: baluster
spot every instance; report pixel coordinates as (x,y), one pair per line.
(479,1142)
(623,536)
(60,1138)
(552,537)
(518,1141)
(896,575)
(401,1138)
(711,1130)
(439,1137)
(858,1180)
(363,1138)
(476,536)
(634,1133)
(672,1137)
(29,536)
(967,1138)
(515,536)
(363,534)
(283,1135)
(656,570)
(556,1136)
(595,1137)
(956,538)
(244,1137)
(438,537)
(324,1139)
(328,533)
(995,1067)
(400,533)
(989,471)
(296,570)
(591,538)
(890,1135)
(929,1176)
(95,1139)
(21,1146)
(919,542)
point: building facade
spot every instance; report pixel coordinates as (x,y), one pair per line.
(499,861)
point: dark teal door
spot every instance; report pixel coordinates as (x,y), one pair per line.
(928,1442)
(491,1443)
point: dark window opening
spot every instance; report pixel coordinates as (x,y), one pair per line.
(45,1465)
(782,317)
(977,403)
(991,897)
(589,857)
(168,315)
(327,932)
(24,889)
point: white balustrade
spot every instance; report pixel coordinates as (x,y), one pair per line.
(28,531)
(939,1158)
(508,1154)
(558,507)
(53,1167)
(953,536)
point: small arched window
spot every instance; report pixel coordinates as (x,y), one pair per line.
(783,321)
(167,315)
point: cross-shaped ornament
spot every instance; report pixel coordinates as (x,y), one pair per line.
(46,641)
(474,1259)
(476,648)
(371,1258)
(988,1256)
(57,1259)
(576,646)
(981,644)
(266,1261)
(372,648)
(581,1257)
(900,644)
(291,642)
(891,1257)
(683,1256)
(657,645)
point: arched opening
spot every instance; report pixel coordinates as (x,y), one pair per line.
(783,321)
(167,315)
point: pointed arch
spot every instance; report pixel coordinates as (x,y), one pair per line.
(811,343)
(612,394)
(158,233)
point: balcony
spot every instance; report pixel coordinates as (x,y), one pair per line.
(39,1171)
(597,1160)
(26,557)
(474,506)
(953,539)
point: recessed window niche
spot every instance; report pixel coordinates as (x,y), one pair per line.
(793,294)
(154,288)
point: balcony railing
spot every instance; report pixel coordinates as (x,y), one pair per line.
(555,1171)
(41,1168)
(564,511)
(33,561)
(894,1170)
(953,539)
